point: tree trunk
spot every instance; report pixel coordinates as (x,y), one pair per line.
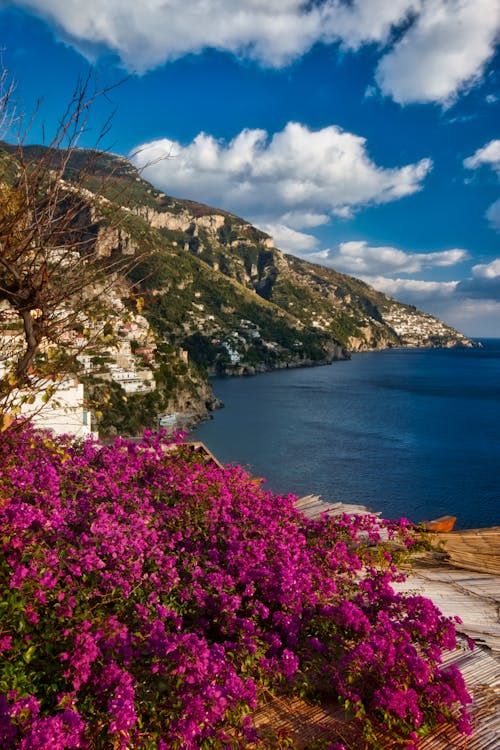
(32,335)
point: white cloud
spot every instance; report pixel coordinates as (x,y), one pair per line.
(297,173)
(343,212)
(411,288)
(148,33)
(442,53)
(471,305)
(305,219)
(366,21)
(442,45)
(321,256)
(487,270)
(489,154)
(359,258)
(289,239)
(482,286)
(493,215)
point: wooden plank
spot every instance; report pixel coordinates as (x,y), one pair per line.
(313,506)
(473,549)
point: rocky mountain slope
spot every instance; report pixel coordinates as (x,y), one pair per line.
(331,308)
(220,298)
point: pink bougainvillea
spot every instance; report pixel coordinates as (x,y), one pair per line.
(150,597)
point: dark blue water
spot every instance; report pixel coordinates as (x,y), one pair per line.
(412,433)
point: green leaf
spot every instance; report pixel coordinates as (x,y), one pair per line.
(28,655)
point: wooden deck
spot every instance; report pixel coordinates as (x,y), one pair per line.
(473,549)
(462,577)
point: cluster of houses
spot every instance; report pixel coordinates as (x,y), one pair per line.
(419,329)
(128,360)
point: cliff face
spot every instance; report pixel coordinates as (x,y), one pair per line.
(218,297)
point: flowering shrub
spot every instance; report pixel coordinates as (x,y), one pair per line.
(150,598)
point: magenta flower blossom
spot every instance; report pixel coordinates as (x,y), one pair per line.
(151,597)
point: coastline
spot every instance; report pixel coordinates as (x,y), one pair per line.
(190,421)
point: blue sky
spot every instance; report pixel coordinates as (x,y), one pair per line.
(361,134)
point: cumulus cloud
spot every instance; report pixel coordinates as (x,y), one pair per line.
(487,270)
(493,215)
(289,239)
(411,290)
(489,155)
(480,288)
(305,219)
(448,300)
(298,173)
(360,22)
(148,33)
(443,45)
(484,283)
(442,53)
(471,306)
(360,258)
(274,32)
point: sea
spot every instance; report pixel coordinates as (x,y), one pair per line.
(411,433)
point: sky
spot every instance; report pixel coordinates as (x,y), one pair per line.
(360,134)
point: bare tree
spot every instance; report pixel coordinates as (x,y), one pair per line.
(53,274)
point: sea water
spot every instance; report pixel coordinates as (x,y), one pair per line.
(408,432)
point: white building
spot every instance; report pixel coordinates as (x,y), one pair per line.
(234,355)
(133,381)
(63,414)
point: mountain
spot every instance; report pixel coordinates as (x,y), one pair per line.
(216,296)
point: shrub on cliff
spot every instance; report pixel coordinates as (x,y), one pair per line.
(150,598)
